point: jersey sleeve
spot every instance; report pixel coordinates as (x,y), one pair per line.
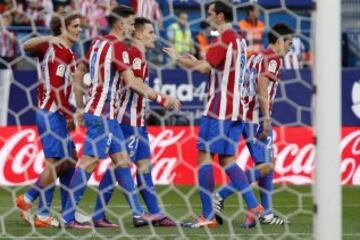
(57,71)
(270,68)
(41,50)
(216,54)
(136,63)
(121,57)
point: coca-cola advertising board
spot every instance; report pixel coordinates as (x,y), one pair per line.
(174,155)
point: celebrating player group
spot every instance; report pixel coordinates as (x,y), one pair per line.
(241,92)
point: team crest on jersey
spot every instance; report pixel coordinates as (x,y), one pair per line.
(125,56)
(272,66)
(137,64)
(60,71)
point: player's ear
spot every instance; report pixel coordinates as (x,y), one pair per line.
(220,17)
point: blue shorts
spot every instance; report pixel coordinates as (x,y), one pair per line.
(55,137)
(219,136)
(103,137)
(261,150)
(137,142)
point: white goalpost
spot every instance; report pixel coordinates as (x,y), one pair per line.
(327,78)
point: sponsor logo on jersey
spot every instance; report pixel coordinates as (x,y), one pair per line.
(60,71)
(272,66)
(137,64)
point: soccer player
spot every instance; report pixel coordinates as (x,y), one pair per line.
(109,65)
(54,119)
(132,121)
(221,125)
(264,79)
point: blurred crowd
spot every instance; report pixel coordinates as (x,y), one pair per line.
(35,15)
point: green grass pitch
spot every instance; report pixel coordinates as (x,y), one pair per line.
(183,204)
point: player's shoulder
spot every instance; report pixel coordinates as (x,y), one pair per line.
(137,58)
(269,54)
(230,36)
(135,52)
(63,53)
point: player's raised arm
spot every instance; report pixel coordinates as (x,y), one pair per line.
(33,44)
(188,61)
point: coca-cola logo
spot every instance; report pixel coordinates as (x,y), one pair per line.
(173,149)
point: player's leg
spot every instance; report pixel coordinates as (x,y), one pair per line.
(106,189)
(96,147)
(66,172)
(43,217)
(53,134)
(147,190)
(237,175)
(263,154)
(122,172)
(254,174)
(208,130)
(138,146)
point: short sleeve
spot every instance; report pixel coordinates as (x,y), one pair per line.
(216,54)
(121,57)
(136,62)
(41,50)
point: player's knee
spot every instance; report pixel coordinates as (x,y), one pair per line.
(226,160)
(121,160)
(143,166)
(265,168)
(204,158)
(88,163)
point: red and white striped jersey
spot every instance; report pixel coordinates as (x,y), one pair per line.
(149,9)
(268,64)
(132,105)
(7,44)
(55,70)
(224,79)
(106,58)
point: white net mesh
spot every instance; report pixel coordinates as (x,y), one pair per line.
(172,134)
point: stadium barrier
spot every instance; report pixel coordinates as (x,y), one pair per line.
(174,155)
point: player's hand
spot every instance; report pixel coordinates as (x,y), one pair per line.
(70,125)
(80,117)
(172,103)
(171,53)
(59,42)
(266,129)
(192,57)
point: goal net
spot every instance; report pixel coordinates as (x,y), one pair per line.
(173,134)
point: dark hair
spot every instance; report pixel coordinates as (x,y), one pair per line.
(279,30)
(61,20)
(225,8)
(140,23)
(249,9)
(120,11)
(204,24)
(179,12)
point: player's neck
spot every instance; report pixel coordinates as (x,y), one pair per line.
(67,41)
(274,48)
(224,27)
(139,45)
(118,34)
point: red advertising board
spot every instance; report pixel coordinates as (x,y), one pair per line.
(174,155)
